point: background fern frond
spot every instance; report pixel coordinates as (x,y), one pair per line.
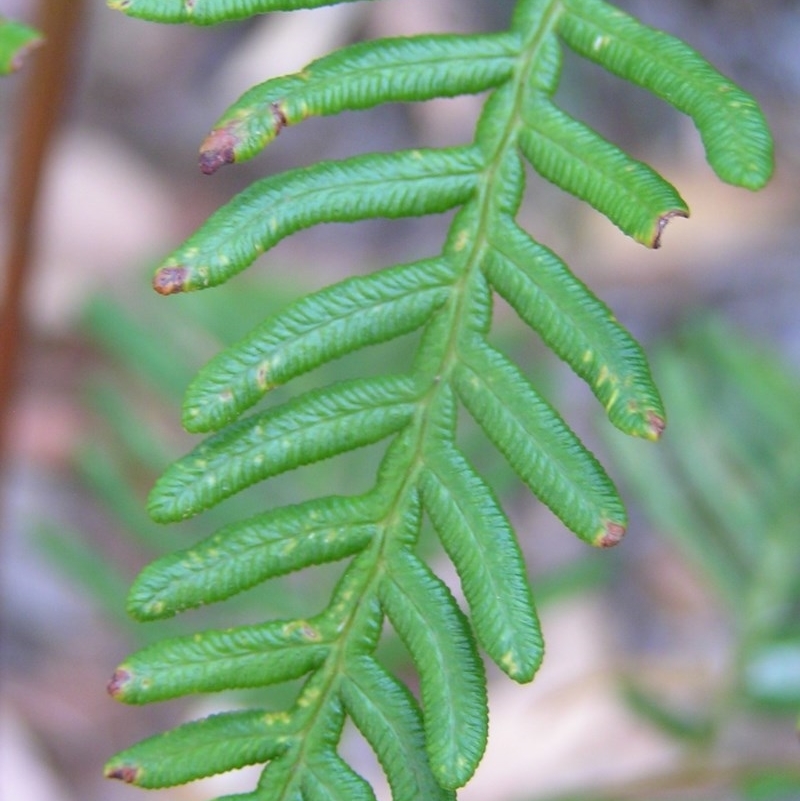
(430,747)
(16,41)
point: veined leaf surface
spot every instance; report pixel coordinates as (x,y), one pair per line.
(448,296)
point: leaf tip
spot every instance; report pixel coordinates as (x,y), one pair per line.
(610,535)
(521,670)
(218,149)
(130,774)
(170,280)
(116,686)
(225,145)
(192,420)
(655,426)
(662,223)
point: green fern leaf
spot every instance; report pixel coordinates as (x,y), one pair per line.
(249,656)
(478,538)
(203,748)
(359,77)
(329,778)
(405,184)
(732,126)
(547,456)
(577,326)
(428,620)
(629,193)
(389,718)
(244,554)
(317,329)
(210,12)
(277,781)
(315,426)
(426,752)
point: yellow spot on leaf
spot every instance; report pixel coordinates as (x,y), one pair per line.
(612,399)
(271,718)
(509,664)
(462,240)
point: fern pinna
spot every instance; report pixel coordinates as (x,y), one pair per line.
(426,749)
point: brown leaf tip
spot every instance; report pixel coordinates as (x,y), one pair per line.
(663,220)
(612,535)
(118,681)
(217,150)
(126,773)
(170,280)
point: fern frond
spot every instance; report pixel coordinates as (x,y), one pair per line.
(629,193)
(546,455)
(427,750)
(329,778)
(202,748)
(250,656)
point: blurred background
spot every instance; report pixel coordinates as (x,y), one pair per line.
(673,662)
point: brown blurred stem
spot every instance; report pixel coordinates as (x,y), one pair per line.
(46,83)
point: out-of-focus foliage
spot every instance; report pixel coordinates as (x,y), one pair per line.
(723,489)
(16,41)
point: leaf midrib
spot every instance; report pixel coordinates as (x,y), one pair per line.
(423,419)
